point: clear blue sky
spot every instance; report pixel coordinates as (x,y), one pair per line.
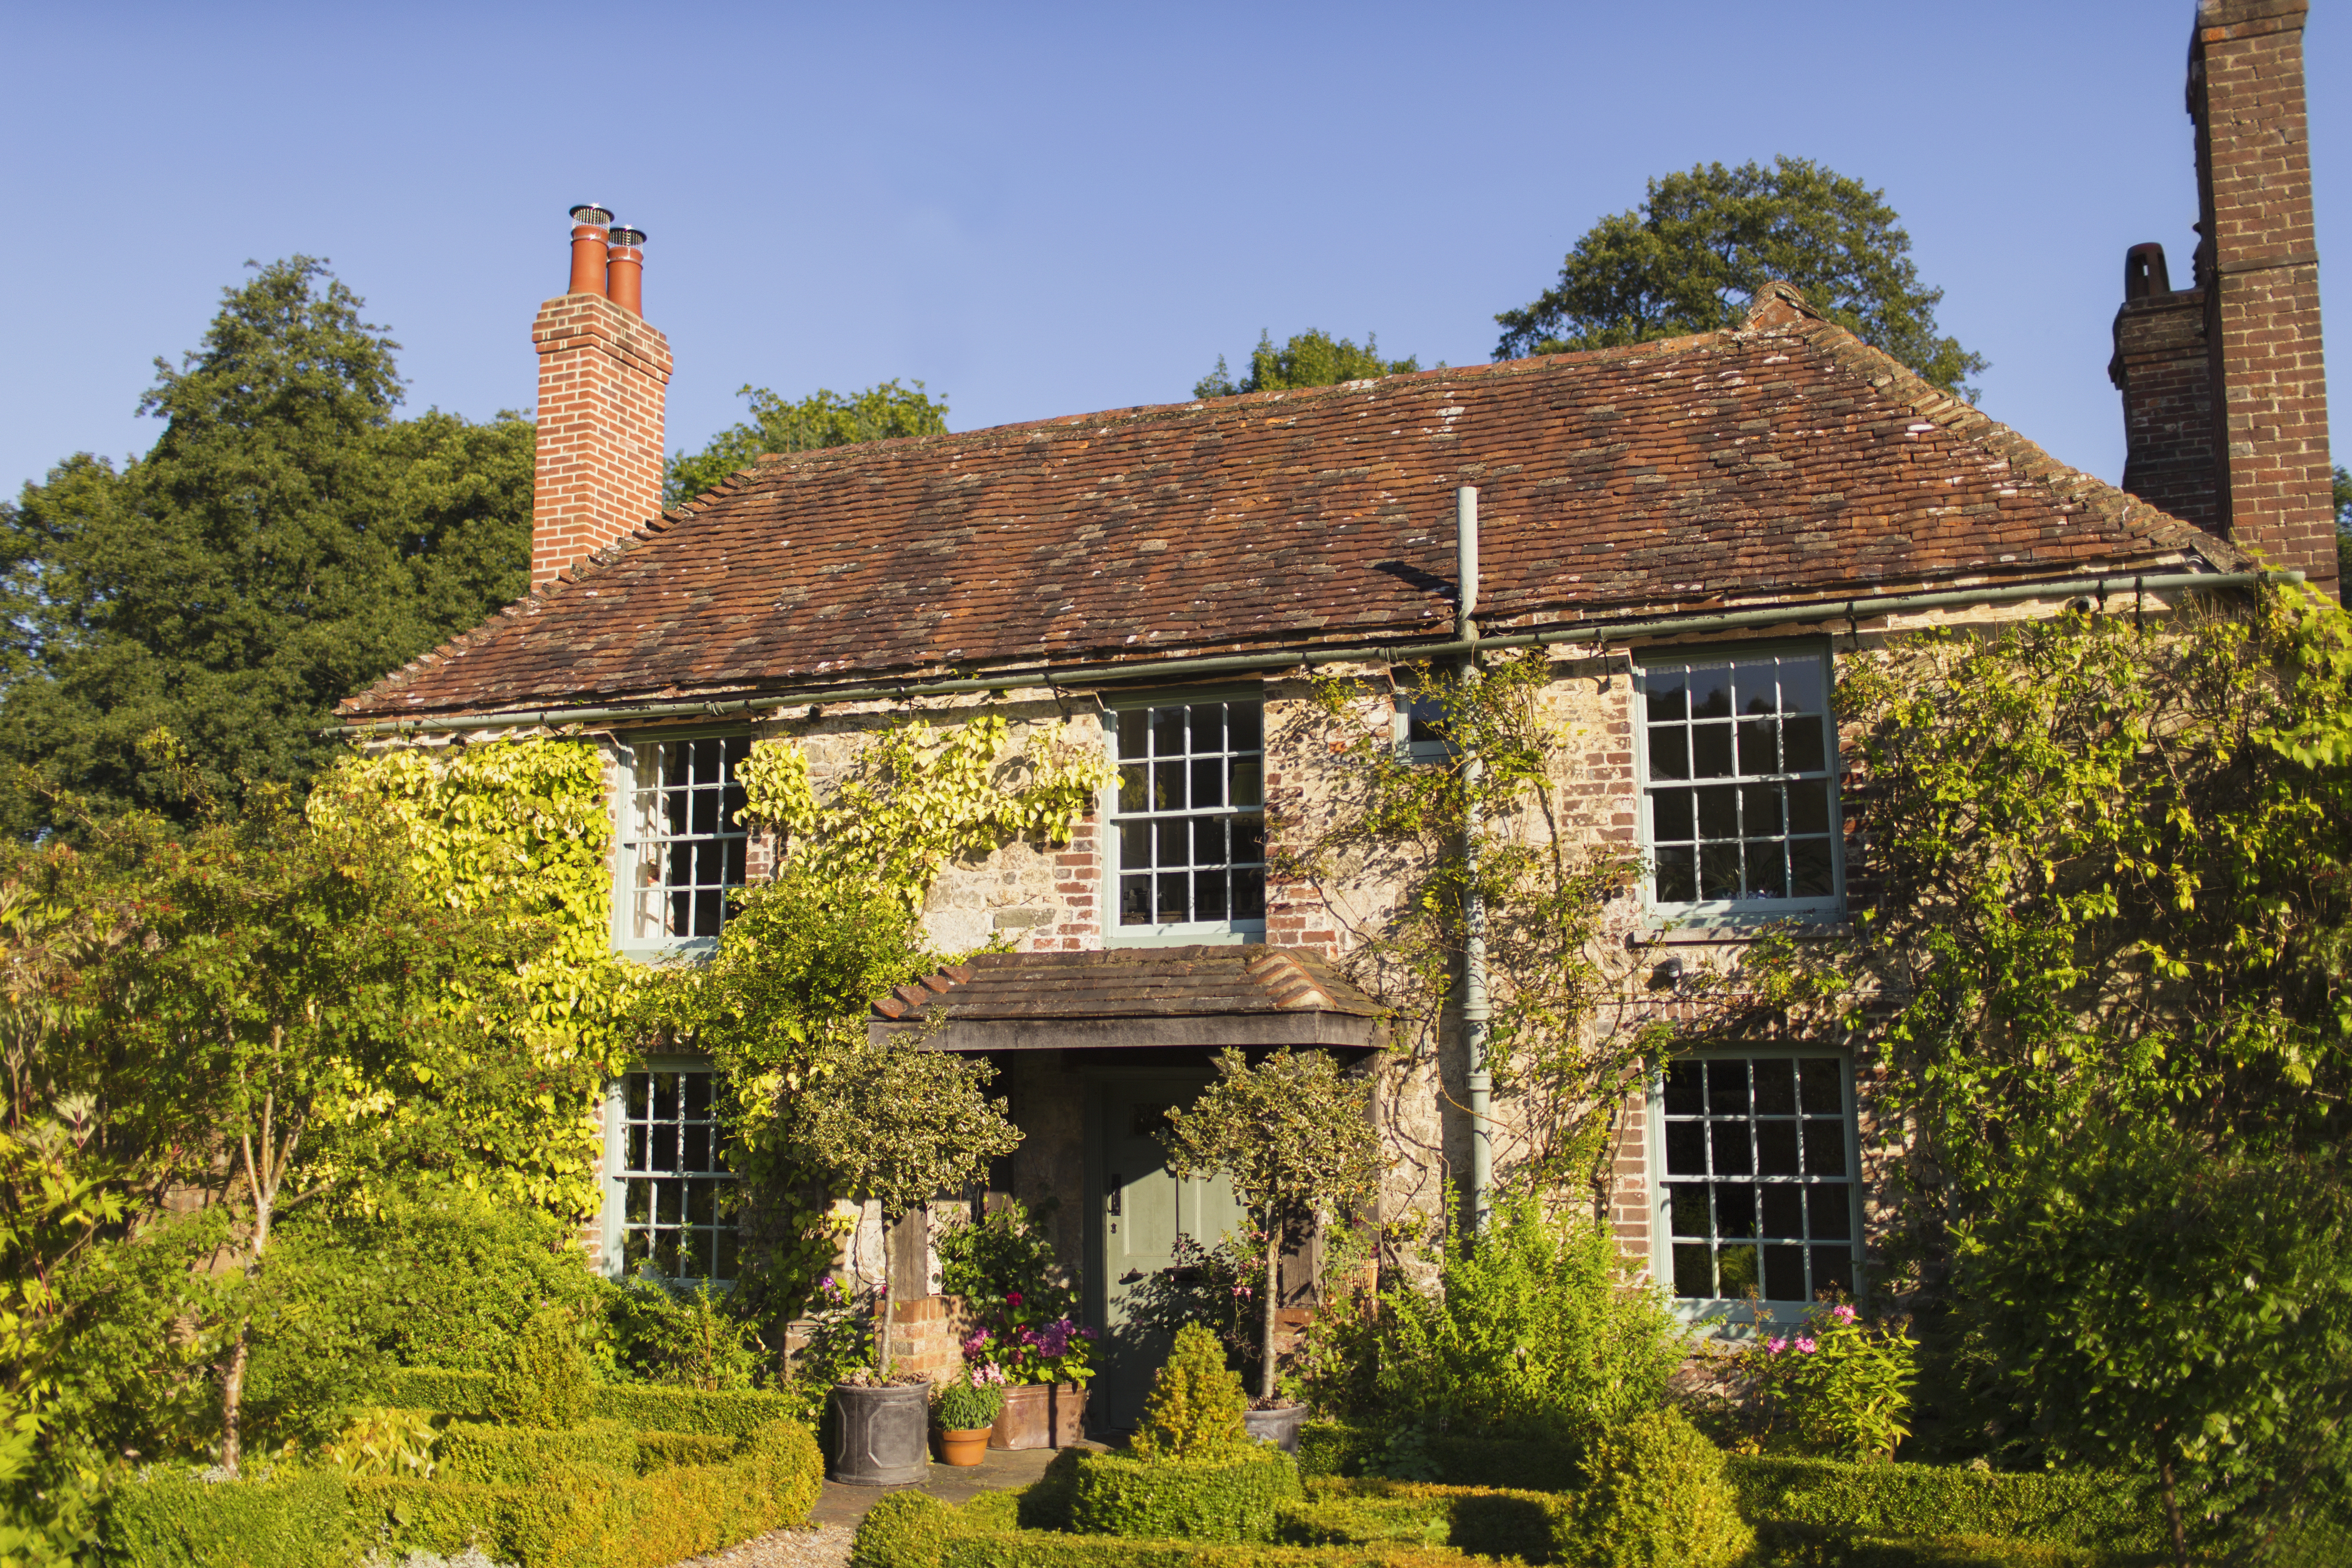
(1041,209)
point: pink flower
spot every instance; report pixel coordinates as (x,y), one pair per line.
(1843,1314)
(1012,1297)
(1804,1347)
(1241,1289)
(1776,1346)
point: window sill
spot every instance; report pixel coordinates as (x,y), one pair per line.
(1238,934)
(1733,931)
(696,950)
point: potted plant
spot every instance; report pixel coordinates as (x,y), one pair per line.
(892,1123)
(1294,1136)
(965,1412)
(1026,1331)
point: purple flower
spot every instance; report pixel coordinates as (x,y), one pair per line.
(1775,1347)
(1804,1347)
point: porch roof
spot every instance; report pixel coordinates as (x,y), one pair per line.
(1134,997)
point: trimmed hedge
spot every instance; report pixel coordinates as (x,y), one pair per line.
(1813,1546)
(664,1451)
(909,1529)
(645,1406)
(1333,1448)
(1200,1499)
(2053,1507)
(596,1516)
(1488,1522)
(520,1455)
(172,1519)
(1658,1497)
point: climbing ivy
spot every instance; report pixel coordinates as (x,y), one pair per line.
(521,825)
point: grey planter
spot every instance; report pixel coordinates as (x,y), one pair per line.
(880,1436)
(1279,1428)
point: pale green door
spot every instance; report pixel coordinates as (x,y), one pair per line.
(1141,1209)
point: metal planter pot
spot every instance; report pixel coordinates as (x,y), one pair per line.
(880,1436)
(1279,1427)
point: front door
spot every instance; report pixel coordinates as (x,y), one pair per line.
(1141,1209)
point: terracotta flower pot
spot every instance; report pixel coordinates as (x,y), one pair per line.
(1040,1415)
(965,1448)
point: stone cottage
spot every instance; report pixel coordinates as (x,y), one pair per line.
(1696,533)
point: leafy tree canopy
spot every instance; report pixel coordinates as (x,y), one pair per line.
(1694,253)
(2342,496)
(1313,358)
(286,542)
(880,412)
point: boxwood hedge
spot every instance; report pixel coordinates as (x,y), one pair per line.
(172,1516)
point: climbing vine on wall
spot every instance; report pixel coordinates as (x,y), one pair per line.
(520,824)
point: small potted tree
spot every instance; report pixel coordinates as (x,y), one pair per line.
(894,1124)
(965,1414)
(1294,1135)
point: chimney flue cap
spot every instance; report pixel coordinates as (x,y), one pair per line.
(623,234)
(589,211)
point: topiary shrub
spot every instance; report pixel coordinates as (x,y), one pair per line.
(546,1382)
(176,1516)
(1231,1496)
(1195,1406)
(1659,1499)
(902,1530)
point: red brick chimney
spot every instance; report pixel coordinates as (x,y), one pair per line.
(2237,444)
(603,377)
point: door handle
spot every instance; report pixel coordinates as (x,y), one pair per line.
(1115,1188)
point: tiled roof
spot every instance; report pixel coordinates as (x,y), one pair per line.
(1782,460)
(1136,996)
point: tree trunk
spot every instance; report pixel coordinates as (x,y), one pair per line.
(1273,1293)
(2173,1516)
(882,1354)
(232,1397)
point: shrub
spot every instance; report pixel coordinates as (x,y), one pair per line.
(546,1382)
(385,1442)
(1415,1454)
(519,1456)
(965,1405)
(1479,1520)
(1836,1386)
(663,1450)
(173,1518)
(1229,1497)
(1195,1405)
(902,1530)
(642,1406)
(681,1339)
(2055,1507)
(1659,1499)
(1537,1331)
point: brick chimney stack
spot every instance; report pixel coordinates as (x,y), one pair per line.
(603,378)
(2225,396)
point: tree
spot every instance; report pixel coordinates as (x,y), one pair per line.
(2340,493)
(1294,1135)
(1312,358)
(1701,244)
(284,543)
(884,411)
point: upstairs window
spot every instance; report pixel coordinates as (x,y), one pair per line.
(1188,827)
(1740,792)
(682,847)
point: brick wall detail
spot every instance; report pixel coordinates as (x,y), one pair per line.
(604,379)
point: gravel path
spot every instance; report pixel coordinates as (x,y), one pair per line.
(827,1546)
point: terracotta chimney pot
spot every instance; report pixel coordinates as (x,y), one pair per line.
(624,265)
(588,242)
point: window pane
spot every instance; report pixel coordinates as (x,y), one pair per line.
(1776,1087)
(1730,1145)
(1803,739)
(1135,901)
(1209,896)
(1678,876)
(1666,695)
(1710,751)
(634,1154)
(1735,1270)
(1168,731)
(1784,1274)
(665,1097)
(1208,726)
(1249,785)
(1249,839)
(1776,1148)
(1691,1271)
(697,1154)
(1824,1081)
(698,1203)
(1249,895)
(1754,687)
(1735,1211)
(1829,1206)
(1767,870)
(1759,810)
(1133,737)
(1175,896)
(1711,693)
(1801,686)
(1825,1148)
(727,1261)
(704,811)
(1686,1210)
(1175,843)
(1130,788)
(1669,753)
(1686,1148)
(1167,786)
(1134,845)
(1832,1268)
(1670,815)
(637,1204)
(1208,782)
(1242,726)
(663,1156)
(1759,746)
(1809,806)
(666,1254)
(1811,875)
(1209,840)
(1726,1088)
(640,1086)
(1718,811)
(1784,1211)
(1685,1089)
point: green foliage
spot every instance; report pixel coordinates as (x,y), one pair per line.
(1483,1521)
(174,1518)
(2165,1311)
(599,1516)
(902,1530)
(1537,1329)
(2049,1507)
(1562,1059)
(286,542)
(1227,1493)
(1659,1499)
(1836,1386)
(682,1338)
(546,1381)
(383,1441)
(1313,358)
(518,828)
(1195,1408)
(1408,1453)
(881,413)
(642,1406)
(1702,242)
(1294,1135)
(519,1454)
(964,1405)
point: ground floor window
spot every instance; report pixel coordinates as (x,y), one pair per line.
(1757,1153)
(669,1199)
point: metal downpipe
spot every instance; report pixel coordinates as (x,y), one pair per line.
(1477,1015)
